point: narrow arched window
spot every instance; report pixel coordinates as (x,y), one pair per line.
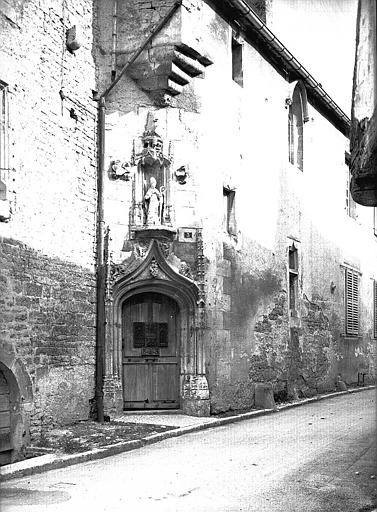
(296,129)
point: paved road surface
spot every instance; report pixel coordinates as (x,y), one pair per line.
(315,458)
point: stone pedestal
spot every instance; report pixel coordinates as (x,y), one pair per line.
(195,395)
(264,397)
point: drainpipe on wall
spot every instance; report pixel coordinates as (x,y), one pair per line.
(101,269)
(100,246)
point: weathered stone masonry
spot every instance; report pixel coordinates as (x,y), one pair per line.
(179,117)
(215,130)
(47,322)
(47,317)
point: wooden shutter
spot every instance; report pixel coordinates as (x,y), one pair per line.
(352,302)
(375,308)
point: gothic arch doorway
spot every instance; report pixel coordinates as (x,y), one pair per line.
(151,344)
(153,292)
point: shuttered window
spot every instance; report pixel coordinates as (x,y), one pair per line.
(375,308)
(352,302)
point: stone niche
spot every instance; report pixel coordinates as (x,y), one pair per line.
(152,209)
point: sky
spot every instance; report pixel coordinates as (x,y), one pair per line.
(321,34)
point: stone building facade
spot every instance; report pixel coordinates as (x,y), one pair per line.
(47,213)
(233,252)
(258,225)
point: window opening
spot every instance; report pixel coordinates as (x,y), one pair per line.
(296,130)
(350,203)
(4,146)
(229,211)
(237,70)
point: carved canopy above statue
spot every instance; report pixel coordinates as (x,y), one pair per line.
(152,198)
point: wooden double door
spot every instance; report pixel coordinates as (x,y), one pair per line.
(150,338)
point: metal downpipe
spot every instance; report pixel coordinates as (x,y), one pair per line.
(101,270)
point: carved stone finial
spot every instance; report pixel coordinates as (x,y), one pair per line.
(150,126)
(153,268)
(152,142)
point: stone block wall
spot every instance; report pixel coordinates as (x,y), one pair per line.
(47,321)
(47,248)
(223,134)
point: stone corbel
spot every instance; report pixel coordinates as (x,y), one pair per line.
(181,174)
(121,171)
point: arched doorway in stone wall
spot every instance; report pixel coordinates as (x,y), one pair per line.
(13,424)
(16,400)
(151,352)
(154,342)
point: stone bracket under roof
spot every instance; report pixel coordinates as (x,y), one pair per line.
(163,71)
(174,56)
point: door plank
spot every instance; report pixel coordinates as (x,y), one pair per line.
(5,441)
(135,382)
(165,382)
(4,403)
(4,419)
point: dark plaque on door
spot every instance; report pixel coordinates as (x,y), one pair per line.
(151,332)
(163,335)
(139,334)
(150,335)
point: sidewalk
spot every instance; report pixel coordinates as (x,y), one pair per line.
(129,431)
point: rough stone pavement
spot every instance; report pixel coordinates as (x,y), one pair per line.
(315,458)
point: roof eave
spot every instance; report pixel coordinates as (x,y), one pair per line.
(238,13)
